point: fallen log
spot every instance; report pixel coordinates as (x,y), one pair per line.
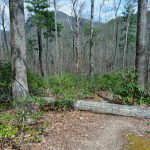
(109,108)
(114,109)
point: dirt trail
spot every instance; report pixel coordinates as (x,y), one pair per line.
(88,131)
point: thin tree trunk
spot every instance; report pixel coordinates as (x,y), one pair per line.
(77,15)
(61,56)
(77,41)
(126,41)
(116,30)
(4,30)
(91,37)
(116,42)
(141,51)
(18,47)
(57,62)
(47,58)
(104,56)
(40,51)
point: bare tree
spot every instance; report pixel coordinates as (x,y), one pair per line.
(141,64)
(18,47)
(4,28)
(39,35)
(91,37)
(56,39)
(77,9)
(127,32)
(116,29)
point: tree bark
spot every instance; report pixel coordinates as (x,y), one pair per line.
(107,108)
(57,62)
(126,41)
(104,107)
(116,30)
(4,30)
(77,44)
(91,37)
(141,51)
(18,48)
(40,51)
(77,13)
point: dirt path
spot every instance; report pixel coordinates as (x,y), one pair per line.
(88,131)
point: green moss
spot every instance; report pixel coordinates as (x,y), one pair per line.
(137,143)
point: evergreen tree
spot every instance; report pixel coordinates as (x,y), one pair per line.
(130,12)
(44,20)
(38,8)
(128,36)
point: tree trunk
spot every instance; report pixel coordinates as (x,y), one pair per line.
(61,56)
(116,30)
(141,51)
(116,42)
(91,37)
(77,44)
(47,57)
(126,42)
(18,48)
(40,51)
(107,108)
(4,30)
(57,62)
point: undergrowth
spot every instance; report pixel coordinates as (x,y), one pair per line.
(23,124)
(122,84)
(5,82)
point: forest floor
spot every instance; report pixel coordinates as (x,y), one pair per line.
(78,130)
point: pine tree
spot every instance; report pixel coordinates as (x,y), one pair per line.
(128,37)
(38,8)
(44,20)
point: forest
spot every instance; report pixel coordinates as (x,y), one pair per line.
(74,75)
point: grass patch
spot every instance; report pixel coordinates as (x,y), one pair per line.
(137,143)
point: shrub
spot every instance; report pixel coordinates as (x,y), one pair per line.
(106,81)
(130,91)
(63,105)
(41,102)
(69,87)
(123,85)
(37,84)
(8,131)
(5,82)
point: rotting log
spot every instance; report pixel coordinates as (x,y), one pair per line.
(104,107)
(114,109)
